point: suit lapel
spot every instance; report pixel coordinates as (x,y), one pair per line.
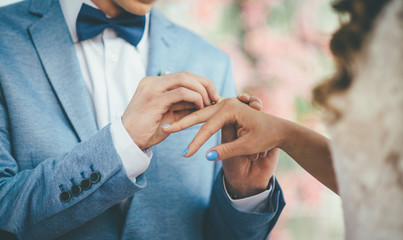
(56,51)
(160,44)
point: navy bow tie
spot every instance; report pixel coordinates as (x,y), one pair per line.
(91,22)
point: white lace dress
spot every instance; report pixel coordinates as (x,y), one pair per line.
(367,142)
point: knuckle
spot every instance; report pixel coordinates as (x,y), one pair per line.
(183,79)
(180,125)
(142,83)
(210,84)
(186,73)
(206,129)
(231,102)
(149,79)
(226,151)
(181,91)
(196,143)
(199,102)
(183,76)
(248,145)
(146,82)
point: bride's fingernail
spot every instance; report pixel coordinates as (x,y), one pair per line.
(186,151)
(166,125)
(213,155)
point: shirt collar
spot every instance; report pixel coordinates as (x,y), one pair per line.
(71,8)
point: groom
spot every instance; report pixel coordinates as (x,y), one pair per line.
(82,154)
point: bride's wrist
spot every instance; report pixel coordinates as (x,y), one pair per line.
(286,132)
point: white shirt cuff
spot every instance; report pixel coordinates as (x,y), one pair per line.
(256,203)
(135,161)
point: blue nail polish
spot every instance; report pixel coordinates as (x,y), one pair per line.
(186,151)
(166,125)
(213,155)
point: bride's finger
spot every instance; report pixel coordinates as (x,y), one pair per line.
(255,103)
(213,124)
(197,117)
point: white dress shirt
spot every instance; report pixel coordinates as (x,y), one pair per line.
(112,69)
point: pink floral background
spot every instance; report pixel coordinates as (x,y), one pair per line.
(280,50)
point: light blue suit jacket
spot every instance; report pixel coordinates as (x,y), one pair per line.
(49,141)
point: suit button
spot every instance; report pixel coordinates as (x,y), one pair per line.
(75,190)
(85,184)
(95,177)
(65,196)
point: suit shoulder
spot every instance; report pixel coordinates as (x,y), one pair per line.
(197,43)
(14,12)
(16,17)
(192,42)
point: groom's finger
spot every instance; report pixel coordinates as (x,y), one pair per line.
(252,101)
(178,115)
(244,97)
(197,117)
(188,80)
(179,95)
(255,103)
(182,106)
(208,84)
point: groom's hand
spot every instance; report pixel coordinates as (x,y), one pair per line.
(165,99)
(247,175)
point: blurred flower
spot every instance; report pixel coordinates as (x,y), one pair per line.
(208,12)
(242,67)
(254,12)
(307,26)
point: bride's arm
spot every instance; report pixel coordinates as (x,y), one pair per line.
(311,151)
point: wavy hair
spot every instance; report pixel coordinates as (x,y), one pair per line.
(347,41)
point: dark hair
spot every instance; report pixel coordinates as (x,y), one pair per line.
(347,41)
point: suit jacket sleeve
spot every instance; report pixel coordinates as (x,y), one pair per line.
(224,221)
(30,204)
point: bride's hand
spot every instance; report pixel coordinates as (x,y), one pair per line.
(249,155)
(258,132)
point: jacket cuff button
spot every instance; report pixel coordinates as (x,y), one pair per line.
(95,177)
(65,196)
(85,184)
(75,190)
